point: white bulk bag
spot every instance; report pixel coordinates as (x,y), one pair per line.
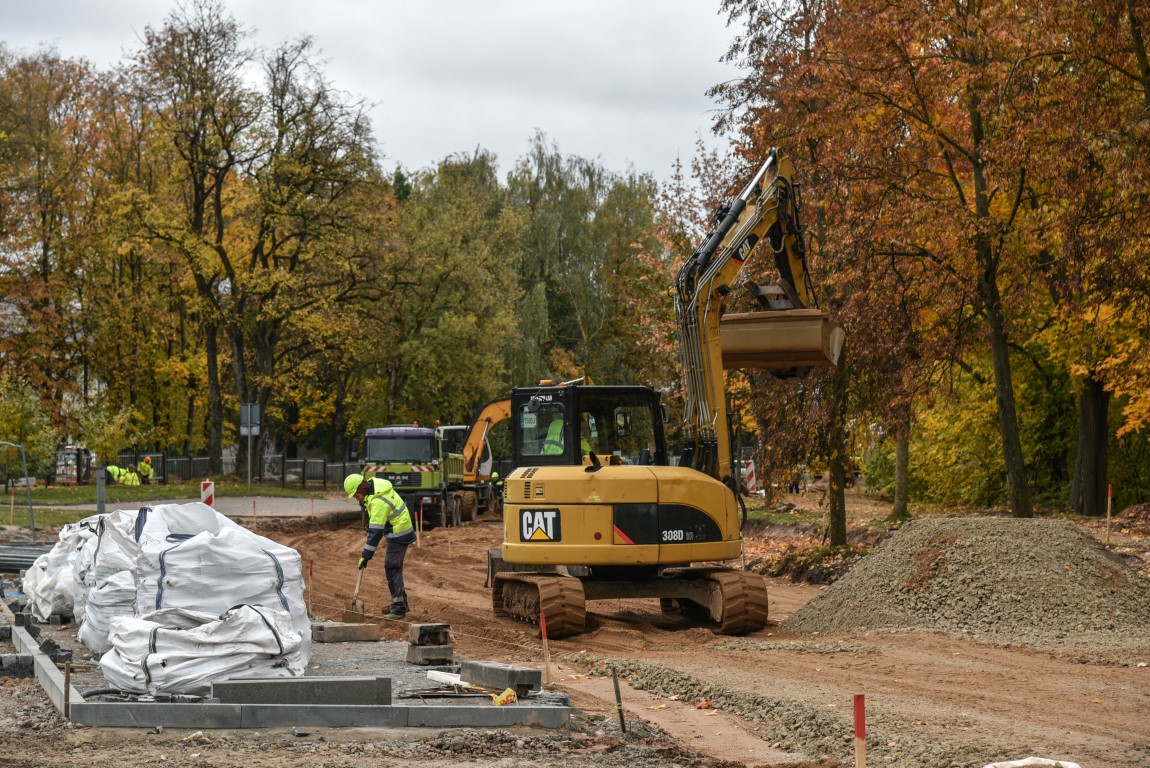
(177,651)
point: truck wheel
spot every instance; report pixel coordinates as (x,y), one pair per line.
(470,501)
(456,511)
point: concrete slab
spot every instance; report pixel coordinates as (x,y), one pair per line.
(553,712)
(488,717)
(275,715)
(305,690)
(429,634)
(148,715)
(499,676)
(425,655)
(17,665)
(341,632)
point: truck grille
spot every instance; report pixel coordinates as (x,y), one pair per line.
(403,479)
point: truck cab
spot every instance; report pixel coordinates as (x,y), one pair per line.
(417,462)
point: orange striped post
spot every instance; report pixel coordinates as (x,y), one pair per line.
(860,731)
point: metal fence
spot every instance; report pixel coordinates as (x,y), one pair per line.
(274,469)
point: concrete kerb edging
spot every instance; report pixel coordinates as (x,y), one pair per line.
(51,679)
(239,716)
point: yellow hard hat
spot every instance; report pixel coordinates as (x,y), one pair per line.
(351,484)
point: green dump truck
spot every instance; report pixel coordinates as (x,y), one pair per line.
(418,463)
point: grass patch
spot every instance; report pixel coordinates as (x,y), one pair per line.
(50,504)
(759,511)
(126,494)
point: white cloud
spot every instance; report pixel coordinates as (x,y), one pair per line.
(619,80)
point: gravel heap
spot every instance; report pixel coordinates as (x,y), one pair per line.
(1004,580)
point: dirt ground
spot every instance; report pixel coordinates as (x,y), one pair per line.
(773,698)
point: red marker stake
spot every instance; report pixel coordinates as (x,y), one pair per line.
(860,731)
(1109,502)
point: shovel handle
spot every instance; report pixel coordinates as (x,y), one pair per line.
(358,581)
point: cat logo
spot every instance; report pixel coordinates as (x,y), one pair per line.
(539,525)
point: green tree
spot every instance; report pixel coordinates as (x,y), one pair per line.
(594,263)
(436,331)
(47,131)
(24,421)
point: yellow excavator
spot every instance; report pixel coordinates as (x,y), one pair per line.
(479,491)
(595,509)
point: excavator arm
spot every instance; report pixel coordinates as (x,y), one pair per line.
(489,415)
(791,332)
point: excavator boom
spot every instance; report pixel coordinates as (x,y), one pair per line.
(792,333)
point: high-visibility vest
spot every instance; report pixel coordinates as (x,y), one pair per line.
(553,443)
(387,507)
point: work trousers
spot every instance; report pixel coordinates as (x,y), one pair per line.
(393,567)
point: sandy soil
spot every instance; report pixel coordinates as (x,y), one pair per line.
(985,703)
(689,697)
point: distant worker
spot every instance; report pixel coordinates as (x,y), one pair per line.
(553,443)
(146,471)
(496,494)
(122,475)
(388,517)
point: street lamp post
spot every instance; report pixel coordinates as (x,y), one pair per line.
(24,458)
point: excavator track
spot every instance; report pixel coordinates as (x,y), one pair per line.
(742,598)
(526,596)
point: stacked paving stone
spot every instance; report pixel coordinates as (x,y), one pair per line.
(429,644)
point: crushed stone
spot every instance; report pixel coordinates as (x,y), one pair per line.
(1001,580)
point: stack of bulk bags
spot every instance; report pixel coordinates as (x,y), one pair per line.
(190,558)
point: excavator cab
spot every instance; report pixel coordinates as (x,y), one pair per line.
(574,424)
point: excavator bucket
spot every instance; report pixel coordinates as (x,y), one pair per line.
(780,339)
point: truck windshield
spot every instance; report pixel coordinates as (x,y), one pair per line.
(411,450)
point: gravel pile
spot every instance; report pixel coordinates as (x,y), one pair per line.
(1003,580)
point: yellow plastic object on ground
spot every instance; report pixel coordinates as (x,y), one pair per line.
(507,697)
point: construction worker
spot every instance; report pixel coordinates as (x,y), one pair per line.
(146,471)
(388,517)
(553,443)
(122,475)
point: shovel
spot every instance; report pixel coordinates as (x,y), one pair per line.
(353,612)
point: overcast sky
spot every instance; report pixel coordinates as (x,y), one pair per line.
(623,81)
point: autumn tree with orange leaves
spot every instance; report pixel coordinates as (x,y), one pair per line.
(939,141)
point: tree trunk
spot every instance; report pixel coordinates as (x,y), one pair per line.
(836,492)
(215,403)
(1088,488)
(1020,505)
(837,384)
(996,321)
(900,511)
